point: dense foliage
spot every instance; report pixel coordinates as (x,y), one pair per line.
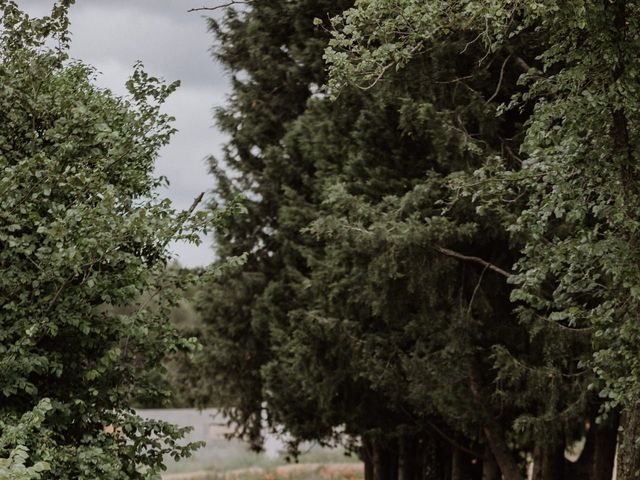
(441,242)
(81,231)
(577,175)
(437,267)
(277,47)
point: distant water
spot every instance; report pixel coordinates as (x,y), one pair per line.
(209,426)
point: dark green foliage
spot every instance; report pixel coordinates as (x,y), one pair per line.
(569,200)
(350,316)
(275,54)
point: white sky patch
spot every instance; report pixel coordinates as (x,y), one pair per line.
(112,35)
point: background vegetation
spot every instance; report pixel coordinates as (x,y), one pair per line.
(433,264)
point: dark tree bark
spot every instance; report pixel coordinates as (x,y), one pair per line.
(384,460)
(548,461)
(493,430)
(380,462)
(597,458)
(393,466)
(490,470)
(628,445)
(465,466)
(495,437)
(407,458)
(458,471)
(435,460)
(366,454)
(604,449)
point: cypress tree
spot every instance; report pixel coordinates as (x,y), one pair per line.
(374,301)
(274,54)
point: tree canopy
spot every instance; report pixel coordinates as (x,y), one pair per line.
(440,239)
(436,268)
(82,229)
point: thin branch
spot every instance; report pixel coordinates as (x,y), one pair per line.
(380,74)
(195,203)
(467,258)
(219,7)
(495,94)
(185,216)
(386,67)
(455,80)
(513,155)
(57,293)
(475,290)
(566,327)
(472,42)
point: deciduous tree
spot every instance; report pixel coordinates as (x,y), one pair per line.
(81,229)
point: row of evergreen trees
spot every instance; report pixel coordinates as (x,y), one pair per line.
(409,290)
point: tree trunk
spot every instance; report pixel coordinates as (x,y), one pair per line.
(490,470)
(392,461)
(407,453)
(548,461)
(457,465)
(465,466)
(366,454)
(493,431)
(628,445)
(435,460)
(380,462)
(384,460)
(598,455)
(604,452)
(508,466)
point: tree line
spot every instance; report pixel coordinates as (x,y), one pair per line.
(426,217)
(442,222)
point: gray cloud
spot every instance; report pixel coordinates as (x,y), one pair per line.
(168,40)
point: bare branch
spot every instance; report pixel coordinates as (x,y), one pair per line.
(513,155)
(386,67)
(475,290)
(522,64)
(195,203)
(467,258)
(219,7)
(187,214)
(495,94)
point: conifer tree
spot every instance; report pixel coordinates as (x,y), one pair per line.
(274,53)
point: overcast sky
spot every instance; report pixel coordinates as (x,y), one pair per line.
(112,35)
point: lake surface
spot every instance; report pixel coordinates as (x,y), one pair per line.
(221,454)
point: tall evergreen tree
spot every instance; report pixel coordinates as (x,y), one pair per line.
(275,56)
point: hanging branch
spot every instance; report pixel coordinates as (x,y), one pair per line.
(495,94)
